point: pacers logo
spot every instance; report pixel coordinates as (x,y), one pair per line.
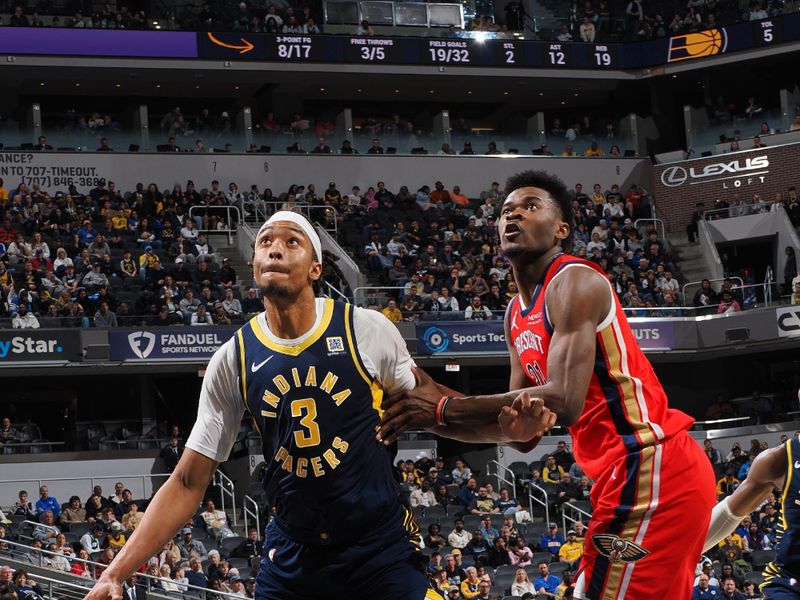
(435,339)
(697,45)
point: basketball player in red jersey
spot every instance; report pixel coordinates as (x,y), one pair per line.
(571,345)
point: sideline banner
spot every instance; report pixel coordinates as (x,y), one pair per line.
(39,345)
(488,336)
(167,343)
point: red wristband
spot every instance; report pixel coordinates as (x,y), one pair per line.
(440,410)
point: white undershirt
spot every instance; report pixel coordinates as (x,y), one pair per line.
(220,410)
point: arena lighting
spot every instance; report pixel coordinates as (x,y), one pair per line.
(480,37)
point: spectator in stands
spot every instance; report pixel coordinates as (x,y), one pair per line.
(171,453)
(24,319)
(522,585)
(74,513)
(201,317)
(518,553)
(545,584)
(459,537)
(195,575)
(552,472)
(552,540)
(116,536)
(728,304)
(47,531)
(711,452)
(191,548)
(250,547)
(391,311)
(483,504)
(132,518)
(47,503)
(727,484)
(704,591)
(476,311)
(124,505)
(104,317)
(22,507)
(93,540)
(705,296)
(216,521)
(572,550)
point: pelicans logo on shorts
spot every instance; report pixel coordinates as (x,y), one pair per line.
(616,549)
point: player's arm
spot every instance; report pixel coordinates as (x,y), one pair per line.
(768,471)
(171,507)
(218,416)
(576,303)
(383,349)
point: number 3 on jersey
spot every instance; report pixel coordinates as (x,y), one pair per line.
(309,407)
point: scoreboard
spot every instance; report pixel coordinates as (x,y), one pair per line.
(462,52)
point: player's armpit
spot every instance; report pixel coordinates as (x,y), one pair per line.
(767,472)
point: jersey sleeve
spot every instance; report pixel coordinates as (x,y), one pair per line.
(221,407)
(383,351)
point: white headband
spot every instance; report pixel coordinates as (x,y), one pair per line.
(300,221)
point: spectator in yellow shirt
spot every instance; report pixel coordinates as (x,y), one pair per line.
(594,150)
(552,473)
(116,538)
(469,587)
(727,485)
(572,550)
(393,313)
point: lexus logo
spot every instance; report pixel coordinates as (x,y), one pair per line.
(142,343)
(674,176)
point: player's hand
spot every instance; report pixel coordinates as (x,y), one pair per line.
(526,420)
(413,410)
(106,588)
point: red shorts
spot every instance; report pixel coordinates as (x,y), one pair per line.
(650,518)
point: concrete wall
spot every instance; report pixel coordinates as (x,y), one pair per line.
(473,173)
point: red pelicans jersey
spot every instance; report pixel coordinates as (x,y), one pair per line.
(626,407)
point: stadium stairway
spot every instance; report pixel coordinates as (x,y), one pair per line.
(688,257)
(242,267)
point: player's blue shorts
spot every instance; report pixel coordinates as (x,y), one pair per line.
(382,564)
(782,586)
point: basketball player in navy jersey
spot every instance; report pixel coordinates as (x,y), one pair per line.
(312,373)
(774,468)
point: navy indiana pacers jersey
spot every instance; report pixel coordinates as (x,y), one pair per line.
(316,407)
(787,551)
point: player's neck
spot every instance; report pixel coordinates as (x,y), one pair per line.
(528,272)
(289,318)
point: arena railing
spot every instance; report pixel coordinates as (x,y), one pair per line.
(715,280)
(745,209)
(543,501)
(227,489)
(661,230)
(57,588)
(502,473)
(574,513)
(252,513)
(152,583)
(228,209)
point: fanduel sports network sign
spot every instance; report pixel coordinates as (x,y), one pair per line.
(40,345)
(167,343)
(488,336)
(679,186)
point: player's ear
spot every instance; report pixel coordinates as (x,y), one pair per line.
(315,271)
(562,229)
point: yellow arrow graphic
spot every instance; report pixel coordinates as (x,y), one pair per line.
(242,49)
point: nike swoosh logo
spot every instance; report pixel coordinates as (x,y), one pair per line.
(797,464)
(255,367)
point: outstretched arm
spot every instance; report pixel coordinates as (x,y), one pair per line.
(576,303)
(768,472)
(173,505)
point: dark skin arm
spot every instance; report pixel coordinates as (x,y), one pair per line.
(768,472)
(576,303)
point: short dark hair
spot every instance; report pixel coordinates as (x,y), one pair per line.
(553,185)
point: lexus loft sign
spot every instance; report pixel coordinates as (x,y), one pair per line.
(729,173)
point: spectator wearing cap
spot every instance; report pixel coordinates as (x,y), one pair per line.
(453,592)
(572,550)
(116,537)
(191,548)
(551,540)
(237,586)
(545,583)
